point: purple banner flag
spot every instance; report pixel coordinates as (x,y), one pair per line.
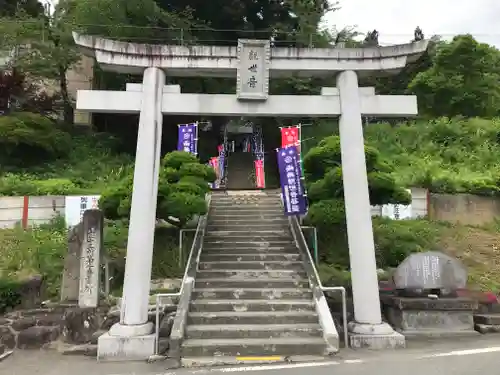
(222,162)
(292,189)
(188,138)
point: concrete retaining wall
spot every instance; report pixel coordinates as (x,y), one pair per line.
(462,208)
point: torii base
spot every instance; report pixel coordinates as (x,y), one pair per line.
(120,348)
(375,337)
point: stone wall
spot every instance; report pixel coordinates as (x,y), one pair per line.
(35,328)
(73,329)
(465,209)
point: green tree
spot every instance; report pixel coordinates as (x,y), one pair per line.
(323,174)
(463,80)
(45,48)
(182,186)
(133,20)
(9,8)
(28,139)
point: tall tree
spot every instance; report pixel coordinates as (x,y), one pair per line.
(45,48)
(9,8)
(463,80)
(291,21)
(371,39)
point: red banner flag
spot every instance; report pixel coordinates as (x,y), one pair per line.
(259,174)
(290,136)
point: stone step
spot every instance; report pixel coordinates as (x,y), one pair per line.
(248,210)
(256,283)
(244,236)
(253,347)
(218,243)
(252,228)
(206,305)
(264,205)
(247,257)
(251,195)
(266,202)
(223,216)
(251,265)
(255,221)
(248,251)
(253,331)
(252,293)
(487,319)
(270,202)
(251,274)
(254,317)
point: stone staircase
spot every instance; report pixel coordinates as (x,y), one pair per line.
(240,171)
(251,296)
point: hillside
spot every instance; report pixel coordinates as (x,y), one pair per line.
(445,155)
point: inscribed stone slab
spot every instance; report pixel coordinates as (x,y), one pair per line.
(253,69)
(430,270)
(90,260)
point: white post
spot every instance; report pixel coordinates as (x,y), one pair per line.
(367,314)
(134,308)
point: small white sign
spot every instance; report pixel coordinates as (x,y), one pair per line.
(397,211)
(75,206)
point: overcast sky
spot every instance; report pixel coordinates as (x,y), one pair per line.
(396,20)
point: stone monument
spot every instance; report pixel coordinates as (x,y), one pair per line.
(426,301)
(252,62)
(90,260)
(70,286)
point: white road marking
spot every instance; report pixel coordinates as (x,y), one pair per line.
(351,361)
(463,352)
(286,366)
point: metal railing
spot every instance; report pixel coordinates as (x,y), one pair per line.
(340,289)
(200,229)
(181,244)
(315,243)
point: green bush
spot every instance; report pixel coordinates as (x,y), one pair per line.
(444,155)
(89,166)
(394,241)
(9,294)
(323,174)
(331,275)
(16,185)
(39,250)
(29,138)
(183,183)
(165,252)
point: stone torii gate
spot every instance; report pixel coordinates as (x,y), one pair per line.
(253,63)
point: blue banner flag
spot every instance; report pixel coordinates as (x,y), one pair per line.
(292,188)
(188,138)
(222,154)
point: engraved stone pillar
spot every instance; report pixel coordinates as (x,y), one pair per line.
(93,223)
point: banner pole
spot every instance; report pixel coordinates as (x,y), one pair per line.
(300,145)
(196,140)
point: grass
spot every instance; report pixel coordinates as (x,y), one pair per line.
(479,249)
(444,155)
(90,166)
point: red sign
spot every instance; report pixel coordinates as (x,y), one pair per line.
(290,136)
(259,174)
(214,162)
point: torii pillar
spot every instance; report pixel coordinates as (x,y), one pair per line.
(132,338)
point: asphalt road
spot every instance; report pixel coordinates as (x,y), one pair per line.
(471,356)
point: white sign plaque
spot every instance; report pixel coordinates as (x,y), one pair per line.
(254,58)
